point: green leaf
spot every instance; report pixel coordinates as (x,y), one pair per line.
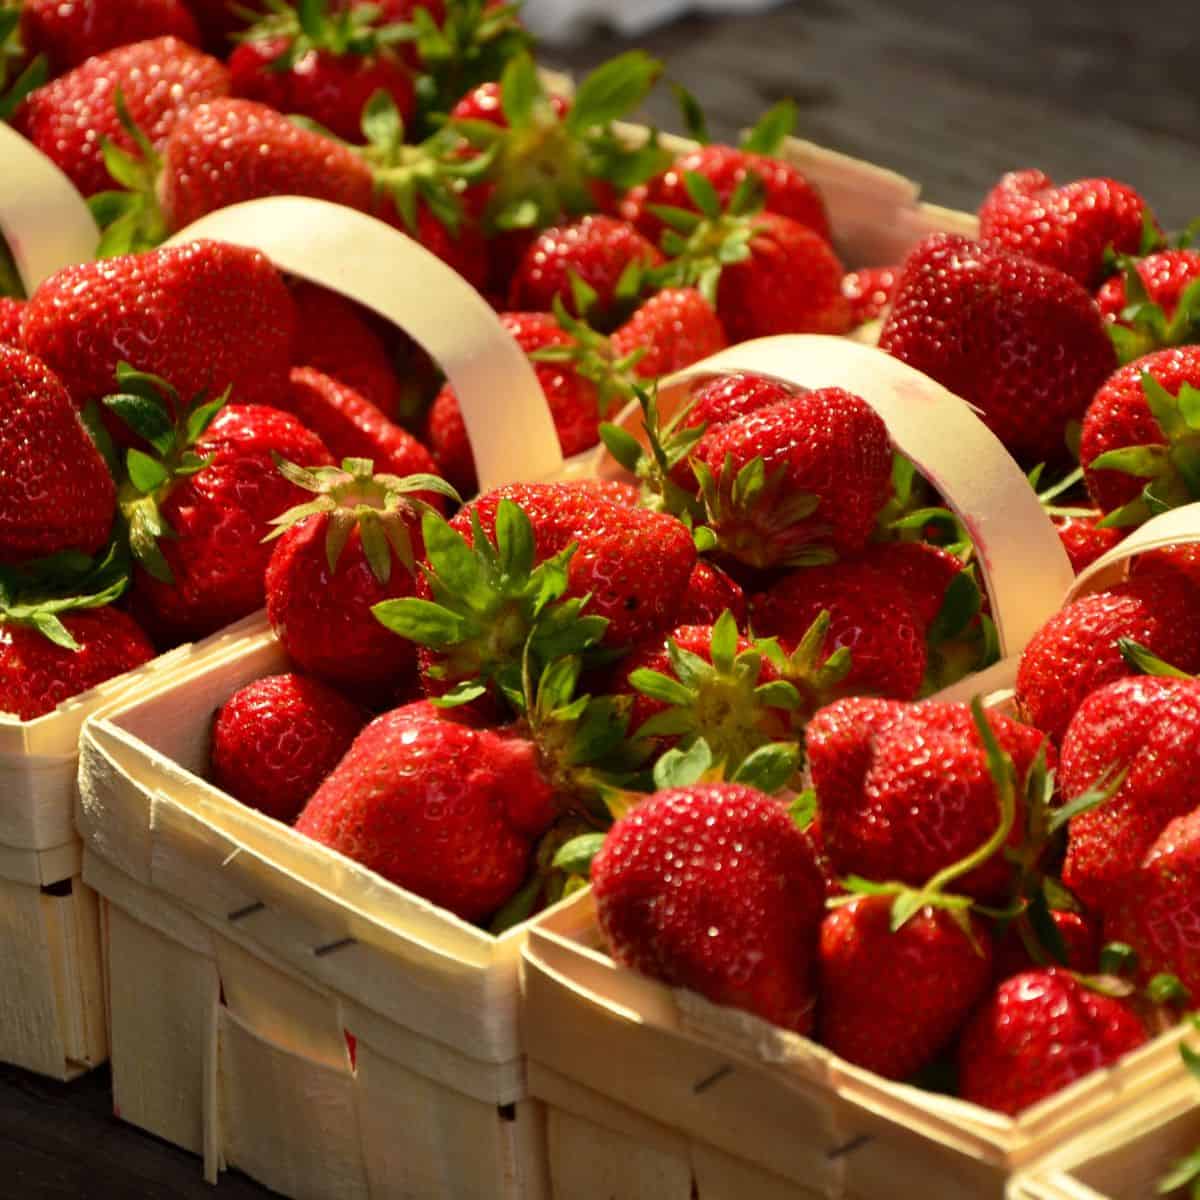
(1163,406)
(803,808)
(420,621)
(145,473)
(778,694)
(50,627)
(457,568)
(622,445)
(613,90)
(1146,662)
(724,645)
(1145,462)
(520,908)
(1118,958)
(695,123)
(147,418)
(683,768)
(661,687)
(382,124)
(1185,1171)
(1165,988)
(770,768)
(515,541)
(1190,1058)
(776,124)
(963,600)
(556,688)
(93,422)
(702,193)
(520,89)
(906,906)
(575,857)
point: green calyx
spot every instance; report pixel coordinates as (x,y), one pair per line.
(151,408)
(771,769)
(310,25)
(381,507)
(721,702)
(17,76)
(814,677)
(757,519)
(1145,662)
(1144,326)
(492,608)
(131,217)
(1172,468)
(542,164)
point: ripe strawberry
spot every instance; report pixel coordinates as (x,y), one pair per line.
(905,791)
(607,255)
(445,811)
(1136,436)
(573,402)
(675,328)
(1160,288)
(1084,540)
(484,103)
(1146,726)
(70,118)
(891,1001)
(787,192)
(869,291)
(1022,342)
(1076,652)
(710,592)
(806,472)
(335,337)
(275,740)
(38,674)
(1039,1032)
(1080,936)
(1179,562)
(714,888)
(1068,227)
(872,616)
(339,556)
(219,20)
(205,316)
(725,398)
(351,427)
(56,493)
(615,490)
(925,571)
(70,31)
(10,320)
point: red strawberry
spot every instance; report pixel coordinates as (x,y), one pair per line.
(230,151)
(55,491)
(205,316)
(1084,541)
(70,118)
(904,792)
(465,249)
(1142,405)
(1179,562)
(600,252)
(787,192)
(37,675)
(70,31)
(10,320)
(1076,652)
(925,571)
(869,291)
(219,20)
(890,1001)
(714,888)
(675,327)
(335,336)
(1039,1032)
(483,103)
(1067,227)
(1165,276)
(725,398)
(1147,726)
(710,592)
(353,548)
(824,471)
(1080,939)
(573,401)
(445,811)
(615,490)
(1022,342)
(351,427)
(872,615)
(276,739)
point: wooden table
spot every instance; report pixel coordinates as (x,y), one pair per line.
(1076,87)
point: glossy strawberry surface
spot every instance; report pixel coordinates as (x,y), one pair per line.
(70,31)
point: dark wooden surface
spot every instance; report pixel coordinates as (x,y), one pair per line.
(949,94)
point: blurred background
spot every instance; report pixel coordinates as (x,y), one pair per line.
(949,94)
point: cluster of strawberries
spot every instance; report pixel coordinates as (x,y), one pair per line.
(729,656)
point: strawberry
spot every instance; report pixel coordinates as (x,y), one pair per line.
(890,1001)
(324,62)
(1077,652)
(573,401)
(1138,446)
(904,791)
(10,319)
(673,329)
(710,592)
(1021,341)
(785,481)
(606,254)
(1145,726)
(1180,562)
(1078,933)
(1068,227)
(714,888)
(872,616)
(725,398)
(199,513)
(206,316)
(869,291)
(334,336)
(1153,302)
(219,20)
(1039,1032)
(445,811)
(69,31)
(1085,540)
(352,427)
(615,490)
(275,740)
(925,571)
(56,493)
(37,673)
(338,556)
(70,119)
